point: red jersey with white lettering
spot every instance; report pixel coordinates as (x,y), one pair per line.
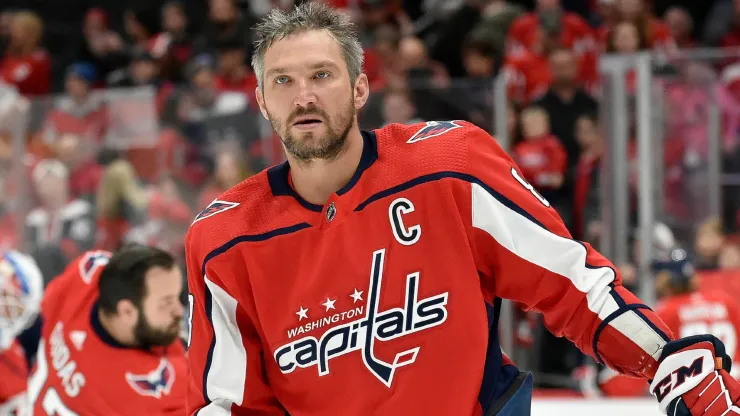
(385,300)
(704,312)
(14,379)
(81,369)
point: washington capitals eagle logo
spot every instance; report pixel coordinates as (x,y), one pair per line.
(433,129)
(214,208)
(155,383)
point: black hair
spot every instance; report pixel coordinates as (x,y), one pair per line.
(123,278)
(591,116)
(477,43)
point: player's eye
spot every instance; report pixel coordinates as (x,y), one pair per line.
(282,79)
(322,74)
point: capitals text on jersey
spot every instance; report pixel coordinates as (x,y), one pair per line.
(361,334)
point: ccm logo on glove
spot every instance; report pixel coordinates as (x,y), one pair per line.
(667,384)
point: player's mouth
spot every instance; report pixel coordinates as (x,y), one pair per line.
(307,123)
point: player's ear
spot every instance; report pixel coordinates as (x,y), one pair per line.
(261,102)
(127,310)
(361,90)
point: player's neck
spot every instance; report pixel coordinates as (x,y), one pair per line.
(316,181)
(122,335)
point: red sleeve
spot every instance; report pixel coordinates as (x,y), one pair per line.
(227,371)
(524,253)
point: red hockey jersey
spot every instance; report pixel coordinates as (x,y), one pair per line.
(82,370)
(705,312)
(13,382)
(385,300)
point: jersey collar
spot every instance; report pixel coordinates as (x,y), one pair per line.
(278,176)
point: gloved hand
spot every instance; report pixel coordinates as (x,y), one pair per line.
(693,379)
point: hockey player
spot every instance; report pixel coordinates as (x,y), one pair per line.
(21,287)
(688,310)
(364,275)
(110,338)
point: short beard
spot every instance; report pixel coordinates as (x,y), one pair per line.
(147,336)
(327,148)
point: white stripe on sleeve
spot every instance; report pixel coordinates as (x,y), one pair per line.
(562,256)
(227,375)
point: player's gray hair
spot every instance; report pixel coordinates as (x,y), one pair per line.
(305,17)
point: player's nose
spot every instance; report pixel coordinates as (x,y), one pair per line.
(305,95)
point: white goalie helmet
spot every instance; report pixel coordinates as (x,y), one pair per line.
(21,289)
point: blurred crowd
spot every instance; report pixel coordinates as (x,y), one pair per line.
(135,116)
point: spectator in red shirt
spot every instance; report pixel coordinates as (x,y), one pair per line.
(573,32)
(541,157)
(528,67)
(528,74)
(25,64)
(234,75)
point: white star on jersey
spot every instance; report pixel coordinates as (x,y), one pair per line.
(329,304)
(302,313)
(356,296)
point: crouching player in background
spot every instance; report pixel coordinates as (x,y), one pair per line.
(687,310)
(110,337)
(21,287)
